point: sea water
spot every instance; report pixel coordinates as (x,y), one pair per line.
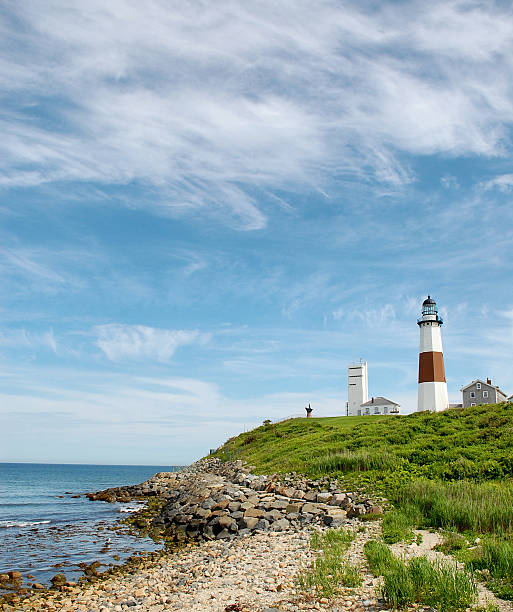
(45,530)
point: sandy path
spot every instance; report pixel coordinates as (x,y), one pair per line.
(429,541)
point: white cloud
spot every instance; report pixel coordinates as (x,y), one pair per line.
(24,339)
(119,341)
(216,106)
(503,182)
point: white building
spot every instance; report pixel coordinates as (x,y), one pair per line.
(432,384)
(357,387)
(379,405)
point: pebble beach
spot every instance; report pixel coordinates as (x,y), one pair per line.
(236,542)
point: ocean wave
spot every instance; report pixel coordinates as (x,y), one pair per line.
(7,524)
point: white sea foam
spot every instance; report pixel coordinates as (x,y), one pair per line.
(7,524)
(129,509)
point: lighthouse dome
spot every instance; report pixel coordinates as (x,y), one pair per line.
(429,307)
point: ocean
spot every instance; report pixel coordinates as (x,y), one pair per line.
(45,529)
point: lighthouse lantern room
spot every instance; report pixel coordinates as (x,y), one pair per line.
(432,384)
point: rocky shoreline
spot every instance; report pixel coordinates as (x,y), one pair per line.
(214,500)
(208,511)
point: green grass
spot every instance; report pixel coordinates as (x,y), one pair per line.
(330,571)
(494,558)
(361,460)
(451,470)
(440,585)
(379,557)
(462,506)
(452,543)
(398,524)
(472,443)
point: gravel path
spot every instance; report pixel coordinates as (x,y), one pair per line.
(429,541)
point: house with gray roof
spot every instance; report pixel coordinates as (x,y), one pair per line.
(379,405)
(481,392)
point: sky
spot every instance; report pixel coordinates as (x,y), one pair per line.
(208,210)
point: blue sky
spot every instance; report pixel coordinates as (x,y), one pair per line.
(207,212)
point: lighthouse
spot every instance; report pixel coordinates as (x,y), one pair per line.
(432,384)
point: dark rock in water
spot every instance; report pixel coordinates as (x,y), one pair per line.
(58,580)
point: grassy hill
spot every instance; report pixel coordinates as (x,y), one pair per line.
(472,443)
(450,470)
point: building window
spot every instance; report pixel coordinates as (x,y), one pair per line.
(485,393)
(473,403)
(472,394)
(478,386)
(376,410)
(385,410)
(359,413)
(367,410)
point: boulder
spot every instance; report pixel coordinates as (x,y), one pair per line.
(355,511)
(221,505)
(249,522)
(58,580)
(226,522)
(280,525)
(324,497)
(223,535)
(338,499)
(273,515)
(262,525)
(254,512)
(311,509)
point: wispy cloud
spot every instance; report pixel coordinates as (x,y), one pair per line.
(249,98)
(119,341)
(503,182)
(23,339)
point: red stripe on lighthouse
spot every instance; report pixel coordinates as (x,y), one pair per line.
(431,367)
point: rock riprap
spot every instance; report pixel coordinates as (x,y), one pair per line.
(212,500)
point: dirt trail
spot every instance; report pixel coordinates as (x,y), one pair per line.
(429,541)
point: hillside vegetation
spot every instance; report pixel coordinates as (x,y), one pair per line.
(450,470)
(472,443)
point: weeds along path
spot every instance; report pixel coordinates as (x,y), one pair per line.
(425,548)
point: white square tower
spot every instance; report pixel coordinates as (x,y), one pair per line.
(357,387)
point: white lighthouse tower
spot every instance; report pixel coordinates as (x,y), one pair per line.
(432,384)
